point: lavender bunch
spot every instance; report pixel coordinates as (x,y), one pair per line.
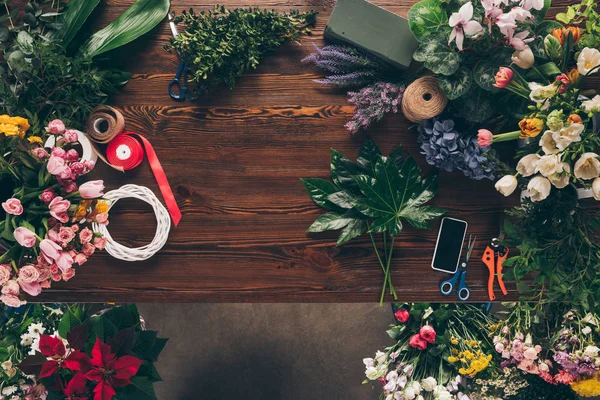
(448,150)
(372,103)
(348,67)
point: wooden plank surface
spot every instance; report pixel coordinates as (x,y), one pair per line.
(234,160)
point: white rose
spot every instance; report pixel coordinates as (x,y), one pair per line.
(429,384)
(568,135)
(548,144)
(596,188)
(588,60)
(526,165)
(538,188)
(591,351)
(548,165)
(409,393)
(592,105)
(587,330)
(561,180)
(587,167)
(506,185)
(524,58)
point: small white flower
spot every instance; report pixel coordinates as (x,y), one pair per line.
(591,351)
(506,185)
(587,167)
(548,165)
(36,329)
(588,60)
(380,357)
(416,386)
(374,373)
(7,391)
(568,135)
(368,362)
(523,58)
(592,105)
(596,188)
(548,144)
(561,180)
(538,188)
(26,339)
(586,331)
(526,165)
(540,94)
(409,393)
(429,384)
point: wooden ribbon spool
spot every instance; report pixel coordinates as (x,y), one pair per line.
(423,99)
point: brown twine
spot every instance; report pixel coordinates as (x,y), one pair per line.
(423,99)
(104,124)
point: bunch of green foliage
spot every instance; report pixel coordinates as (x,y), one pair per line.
(584,14)
(221,45)
(375,195)
(559,246)
(44,73)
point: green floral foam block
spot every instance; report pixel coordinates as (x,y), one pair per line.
(371,28)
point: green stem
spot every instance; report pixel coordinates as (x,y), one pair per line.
(503,137)
(387,277)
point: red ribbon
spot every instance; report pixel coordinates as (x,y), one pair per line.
(126,151)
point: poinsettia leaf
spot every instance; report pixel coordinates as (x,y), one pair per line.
(141,388)
(367,156)
(78,336)
(342,170)
(330,221)
(437,56)
(123,341)
(427,17)
(354,229)
(457,84)
(125,367)
(68,321)
(32,365)
(343,199)
(49,368)
(104,391)
(319,190)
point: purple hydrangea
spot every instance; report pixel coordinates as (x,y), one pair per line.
(447,149)
(372,103)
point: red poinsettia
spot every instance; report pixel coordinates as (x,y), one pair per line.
(109,371)
(59,357)
(76,388)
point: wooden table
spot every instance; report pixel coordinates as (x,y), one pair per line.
(234,161)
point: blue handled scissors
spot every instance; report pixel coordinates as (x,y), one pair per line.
(181,80)
(447,287)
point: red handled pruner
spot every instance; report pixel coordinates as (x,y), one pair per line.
(493,257)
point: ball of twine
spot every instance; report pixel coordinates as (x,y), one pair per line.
(163,224)
(423,99)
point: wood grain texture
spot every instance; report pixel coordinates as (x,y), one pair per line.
(234,160)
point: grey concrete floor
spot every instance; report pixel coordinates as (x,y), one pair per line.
(267,351)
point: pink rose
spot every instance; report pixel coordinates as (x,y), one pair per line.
(102,218)
(11,301)
(77,168)
(417,342)
(88,249)
(427,333)
(11,288)
(100,242)
(75,228)
(24,237)
(530,354)
(47,196)
(13,206)
(31,288)
(80,259)
(402,315)
(55,165)
(484,138)
(56,277)
(4,273)
(69,187)
(503,77)
(72,155)
(64,261)
(39,153)
(71,135)
(54,269)
(59,152)
(46,284)
(564,80)
(91,189)
(58,208)
(65,235)
(45,274)
(85,236)
(73,253)
(50,250)
(42,263)
(68,274)
(89,165)
(56,127)
(65,174)
(29,274)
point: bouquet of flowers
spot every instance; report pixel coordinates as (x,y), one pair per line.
(47,215)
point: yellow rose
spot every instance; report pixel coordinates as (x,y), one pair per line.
(531,127)
(34,139)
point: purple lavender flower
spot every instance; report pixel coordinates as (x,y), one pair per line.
(372,103)
(445,148)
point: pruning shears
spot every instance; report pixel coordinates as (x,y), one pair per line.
(494,255)
(447,286)
(180,81)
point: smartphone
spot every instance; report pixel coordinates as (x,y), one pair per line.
(448,248)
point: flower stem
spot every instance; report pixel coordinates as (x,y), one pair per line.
(388,278)
(504,137)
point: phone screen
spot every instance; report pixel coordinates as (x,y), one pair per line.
(449,245)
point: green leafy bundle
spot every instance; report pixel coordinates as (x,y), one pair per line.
(375,195)
(584,13)
(559,247)
(43,73)
(221,45)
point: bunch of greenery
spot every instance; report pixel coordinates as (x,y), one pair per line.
(45,73)
(559,246)
(221,45)
(584,13)
(375,195)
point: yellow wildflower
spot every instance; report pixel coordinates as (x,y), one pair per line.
(34,139)
(452,359)
(531,127)
(454,340)
(588,387)
(101,207)
(12,126)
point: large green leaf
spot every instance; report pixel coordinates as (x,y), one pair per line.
(427,17)
(437,56)
(484,74)
(456,85)
(477,105)
(319,190)
(75,15)
(137,20)
(342,170)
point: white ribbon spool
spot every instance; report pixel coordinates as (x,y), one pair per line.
(163,224)
(88,152)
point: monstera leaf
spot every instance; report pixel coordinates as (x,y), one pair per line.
(376,193)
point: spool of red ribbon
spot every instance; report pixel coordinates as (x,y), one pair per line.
(127,150)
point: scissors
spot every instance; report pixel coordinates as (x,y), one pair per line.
(494,255)
(463,292)
(183,90)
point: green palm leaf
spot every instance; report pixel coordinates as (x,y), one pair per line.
(75,15)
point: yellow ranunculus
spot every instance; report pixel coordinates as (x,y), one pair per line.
(101,207)
(12,126)
(587,387)
(531,127)
(34,139)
